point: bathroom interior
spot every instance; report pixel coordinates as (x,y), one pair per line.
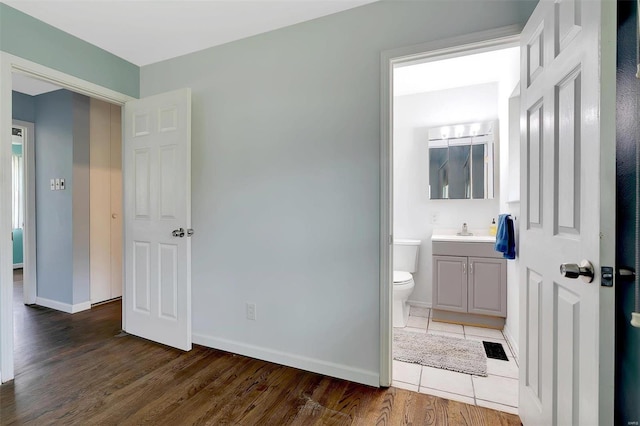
(456,157)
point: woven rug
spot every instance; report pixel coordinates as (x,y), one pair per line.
(448,353)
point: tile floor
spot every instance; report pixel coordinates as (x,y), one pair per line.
(499,390)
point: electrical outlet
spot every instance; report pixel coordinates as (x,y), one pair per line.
(53,184)
(251,311)
(435,217)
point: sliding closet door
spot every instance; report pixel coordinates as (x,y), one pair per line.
(105,201)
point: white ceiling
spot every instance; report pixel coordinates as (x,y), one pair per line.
(31,86)
(144,32)
(462,71)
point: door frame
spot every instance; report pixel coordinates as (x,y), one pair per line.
(426,52)
(9,64)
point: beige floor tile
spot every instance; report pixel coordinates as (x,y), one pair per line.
(405,386)
(447,395)
(501,390)
(416,311)
(406,372)
(448,381)
(499,407)
(443,326)
(497,367)
(484,332)
(417,322)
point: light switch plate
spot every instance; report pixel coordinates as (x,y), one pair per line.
(57,184)
(62,183)
(53,184)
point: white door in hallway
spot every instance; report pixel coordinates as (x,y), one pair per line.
(568,204)
(157,208)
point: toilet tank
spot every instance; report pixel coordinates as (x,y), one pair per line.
(405,255)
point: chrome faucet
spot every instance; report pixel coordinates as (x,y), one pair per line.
(465,230)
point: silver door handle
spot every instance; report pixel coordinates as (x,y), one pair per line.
(190,232)
(471,268)
(464,268)
(178,232)
(584,270)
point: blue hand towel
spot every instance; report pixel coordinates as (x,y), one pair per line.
(505,237)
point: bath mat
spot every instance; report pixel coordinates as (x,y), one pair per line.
(495,351)
(448,353)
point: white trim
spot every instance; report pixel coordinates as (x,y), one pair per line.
(32,69)
(345,372)
(511,341)
(8,64)
(29,256)
(417,304)
(478,42)
(64,307)
(18,265)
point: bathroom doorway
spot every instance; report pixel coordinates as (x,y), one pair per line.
(455,169)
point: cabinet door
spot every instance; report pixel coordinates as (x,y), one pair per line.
(450,283)
(488,286)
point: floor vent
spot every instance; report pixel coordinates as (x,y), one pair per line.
(495,351)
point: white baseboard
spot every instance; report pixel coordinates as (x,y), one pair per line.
(18,265)
(419,304)
(512,342)
(357,375)
(64,307)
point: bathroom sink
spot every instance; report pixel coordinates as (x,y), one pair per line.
(451,236)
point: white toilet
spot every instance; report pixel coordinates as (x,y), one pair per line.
(405,262)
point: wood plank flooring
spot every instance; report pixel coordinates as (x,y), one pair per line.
(76,369)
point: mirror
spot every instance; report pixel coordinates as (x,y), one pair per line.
(461,161)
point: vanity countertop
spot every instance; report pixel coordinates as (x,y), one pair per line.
(452,237)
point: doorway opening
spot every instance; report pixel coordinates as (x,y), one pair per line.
(453,145)
(67,189)
(79,154)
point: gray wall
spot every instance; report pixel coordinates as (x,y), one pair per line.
(285,177)
(23,107)
(627,338)
(62,151)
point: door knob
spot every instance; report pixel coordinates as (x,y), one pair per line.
(584,270)
(190,232)
(178,232)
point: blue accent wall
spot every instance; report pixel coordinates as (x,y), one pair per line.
(54,158)
(32,39)
(627,392)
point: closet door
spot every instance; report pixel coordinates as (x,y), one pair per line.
(116,201)
(105,176)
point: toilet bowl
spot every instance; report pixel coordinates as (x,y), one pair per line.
(402,288)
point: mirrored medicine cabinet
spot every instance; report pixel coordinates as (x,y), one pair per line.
(461,161)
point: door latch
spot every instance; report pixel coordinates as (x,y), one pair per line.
(178,232)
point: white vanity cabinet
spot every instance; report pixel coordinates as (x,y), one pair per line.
(469,283)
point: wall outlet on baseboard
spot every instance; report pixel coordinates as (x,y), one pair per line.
(251,311)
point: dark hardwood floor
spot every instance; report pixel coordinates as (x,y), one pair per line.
(78,369)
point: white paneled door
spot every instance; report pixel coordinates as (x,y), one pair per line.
(566,188)
(157,175)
